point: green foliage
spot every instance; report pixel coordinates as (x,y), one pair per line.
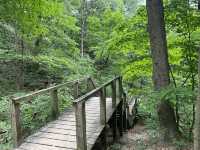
(183,24)
(148,106)
(4,107)
(115,147)
(34,114)
(5,138)
(5,125)
(100,31)
(43,25)
(41,39)
(129,50)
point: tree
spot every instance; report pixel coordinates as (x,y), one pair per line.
(83,24)
(197,117)
(197,110)
(40,26)
(199,4)
(182,20)
(161,78)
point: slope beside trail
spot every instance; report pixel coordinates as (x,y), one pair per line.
(142,138)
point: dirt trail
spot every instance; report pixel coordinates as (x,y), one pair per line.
(139,138)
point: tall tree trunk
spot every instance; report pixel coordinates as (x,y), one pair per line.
(19,64)
(197,109)
(83,21)
(161,78)
(197,116)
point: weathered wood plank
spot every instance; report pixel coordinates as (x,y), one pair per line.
(90,116)
(55,136)
(64,129)
(33,146)
(67,130)
(74,129)
(72,123)
(58,131)
(52,142)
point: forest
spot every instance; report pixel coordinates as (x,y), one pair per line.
(153,44)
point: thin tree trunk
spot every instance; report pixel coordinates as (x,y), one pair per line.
(83,20)
(198,4)
(177,100)
(161,78)
(193,107)
(19,69)
(197,116)
(197,109)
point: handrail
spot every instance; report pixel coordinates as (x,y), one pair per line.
(43,91)
(88,95)
(15,106)
(92,82)
(78,104)
(80,114)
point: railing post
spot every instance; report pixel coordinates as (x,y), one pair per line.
(88,84)
(114,99)
(113,86)
(103,114)
(125,112)
(120,119)
(80,115)
(76,90)
(16,126)
(120,88)
(103,106)
(55,111)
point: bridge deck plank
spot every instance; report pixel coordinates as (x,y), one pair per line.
(61,133)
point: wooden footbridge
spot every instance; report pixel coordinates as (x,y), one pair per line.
(78,127)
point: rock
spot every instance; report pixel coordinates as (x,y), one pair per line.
(109,135)
(124,140)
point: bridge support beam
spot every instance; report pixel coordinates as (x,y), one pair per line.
(103,106)
(121,106)
(103,114)
(114,125)
(120,118)
(124,112)
(114,107)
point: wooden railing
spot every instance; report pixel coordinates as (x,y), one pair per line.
(15,104)
(79,105)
